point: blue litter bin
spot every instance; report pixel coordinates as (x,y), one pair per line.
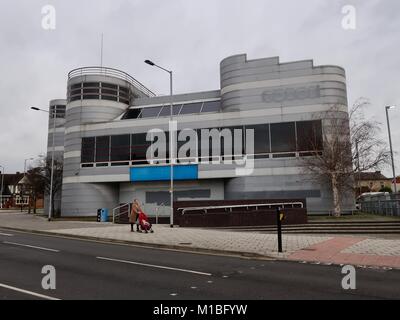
(104,215)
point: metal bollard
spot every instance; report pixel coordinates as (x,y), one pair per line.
(280,216)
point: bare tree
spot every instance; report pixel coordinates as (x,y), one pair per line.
(37,185)
(350,144)
(40,177)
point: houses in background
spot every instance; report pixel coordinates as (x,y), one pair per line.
(373,182)
(17,192)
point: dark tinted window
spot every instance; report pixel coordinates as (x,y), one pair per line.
(120,147)
(261,138)
(213,143)
(283,137)
(234,149)
(75,92)
(166,110)
(191,108)
(150,112)
(124,90)
(111,98)
(91,84)
(211,106)
(102,149)
(87,153)
(76,86)
(181,143)
(132,114)
(59,109)
(124,95)
(139,146)
(91,97)
(109,91)
(109,85)
(309,135)
(91,90)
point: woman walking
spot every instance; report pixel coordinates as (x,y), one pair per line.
(134,215)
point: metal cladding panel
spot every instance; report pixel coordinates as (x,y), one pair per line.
(163,173)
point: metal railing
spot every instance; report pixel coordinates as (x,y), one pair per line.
(383,207)
(87,71)
(247,206)
(162,205)
(147,208)
(185,160)
(116,215)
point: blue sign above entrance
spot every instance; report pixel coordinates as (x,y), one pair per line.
(163,173)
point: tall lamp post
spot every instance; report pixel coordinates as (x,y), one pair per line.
(23,188)
(171,141)
(391,148)
(29,159)
(2,185)
(53,114)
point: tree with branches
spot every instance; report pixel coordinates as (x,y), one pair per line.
(350,145)
(36,186)
(40,178)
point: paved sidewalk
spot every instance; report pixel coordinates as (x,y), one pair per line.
(360,251)
(354,251)
(21,220)
(191,238)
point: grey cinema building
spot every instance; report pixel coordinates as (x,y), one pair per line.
(101,133)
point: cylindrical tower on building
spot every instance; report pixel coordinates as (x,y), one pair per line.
(57,130)
(293,91)
(56,119)
(95,95)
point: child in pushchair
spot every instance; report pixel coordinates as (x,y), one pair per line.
(144,223)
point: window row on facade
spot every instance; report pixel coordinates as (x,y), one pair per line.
(276,140)
(58,111)
(177,109)
(98,91)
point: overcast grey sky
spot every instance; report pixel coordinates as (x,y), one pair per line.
(191,37)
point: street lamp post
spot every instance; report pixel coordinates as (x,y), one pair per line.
(391,148)
(23,186)
(2,185)
(53,114)
(171,140)
(29,159)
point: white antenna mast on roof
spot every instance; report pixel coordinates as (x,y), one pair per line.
(101,52)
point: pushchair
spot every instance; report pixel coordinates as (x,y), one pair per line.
(144,223)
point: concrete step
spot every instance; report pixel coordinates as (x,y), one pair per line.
(306,229)
(361,222)
(366,232)
(320,230)
(272,228)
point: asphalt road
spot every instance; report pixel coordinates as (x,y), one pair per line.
(93,270)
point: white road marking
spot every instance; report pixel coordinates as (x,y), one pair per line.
(6,234)
(193,287)
(29,246)
(173,294)
(28,292)
(155,266)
